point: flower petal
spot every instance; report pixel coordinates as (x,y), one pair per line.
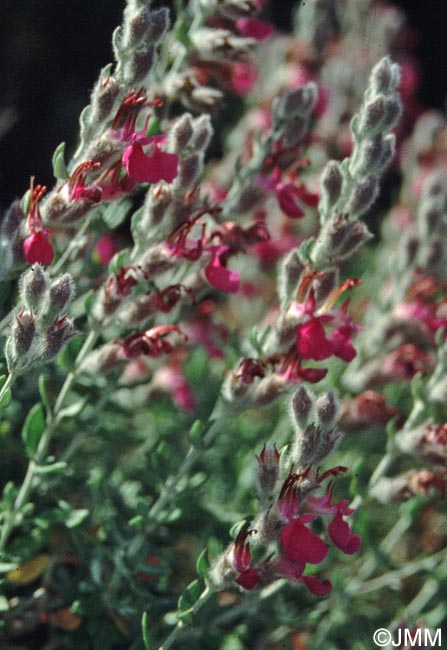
(311,341)
(158,166)
(222,278)
(342,537)
(317,587)
(302,545)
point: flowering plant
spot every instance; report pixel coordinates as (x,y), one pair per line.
(219,398)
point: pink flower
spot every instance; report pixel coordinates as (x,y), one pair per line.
(341,342)
(248,579)
(218,275)
(253,28)
(243,77)
(158,166)
(172,380)
(300,544)
(317,587)
(105,248)
(341,535)
(38,248)
(311,341)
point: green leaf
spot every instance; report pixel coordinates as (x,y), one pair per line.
(181,34)
(43,392)
(154,127)
(33,429)
(53,468)
(145,632)
(236,528)
(73,410)
(118,261)
(196,433)
(6,399)
(203,564)
(59,166)
(67,356)
(6,567)
(187,600)
(113,214)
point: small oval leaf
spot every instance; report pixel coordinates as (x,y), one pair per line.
(33,429)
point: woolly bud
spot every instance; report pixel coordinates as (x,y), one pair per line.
(294,130)
(61,292)
(297,101)
(324,284)
(268,470)
(331,184)
(288,276)
(33,287)
(408,250)
(140,65)
(181,133)
(385,76)
(372,116)
(363,194)
(22,333)
(159,24)
(203,132)
(103,97)
(388,490)
(357,235)
(137,27)
(370,156)
(189,171)
(301,404)
(11,221)
(327,409)
(56,337)
(393,109)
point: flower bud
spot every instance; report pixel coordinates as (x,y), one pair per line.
(268,470)
(181,133)
(327,409)
(324,284)
(294,130)
(60,294)
(103,97)
(140,64)
(56,337)
(189,171)
(393,109)
(363,194)
(372,117)
(301,407)
(331,183)
(203,132)
(22,333)
(297,101)
(385,77)
(33,287)
(288,276)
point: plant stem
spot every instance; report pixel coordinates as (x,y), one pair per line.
(180,627)
(51,423)
(8,383)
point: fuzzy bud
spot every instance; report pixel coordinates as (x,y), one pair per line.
(302,405)
(56,337)
(294,130)
(189,171)
(22,333)
(385,76)
(327,409)
(181,133)
(289,275)
(297,101)
(268,470)
(140,65)
(33,287)
(203,132)
(324,284)
(393,109)
(363,194)
(331,184)
(372,117)
(103,97)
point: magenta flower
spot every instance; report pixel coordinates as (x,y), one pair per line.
(157,166)
(37,248)
(217,274)
(243,77)
(311,341)
(316,586)
(254,28)
(300,544)
(340,533)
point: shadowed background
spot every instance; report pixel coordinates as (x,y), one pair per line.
(51,53)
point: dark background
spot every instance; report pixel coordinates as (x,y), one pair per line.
(51,52)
